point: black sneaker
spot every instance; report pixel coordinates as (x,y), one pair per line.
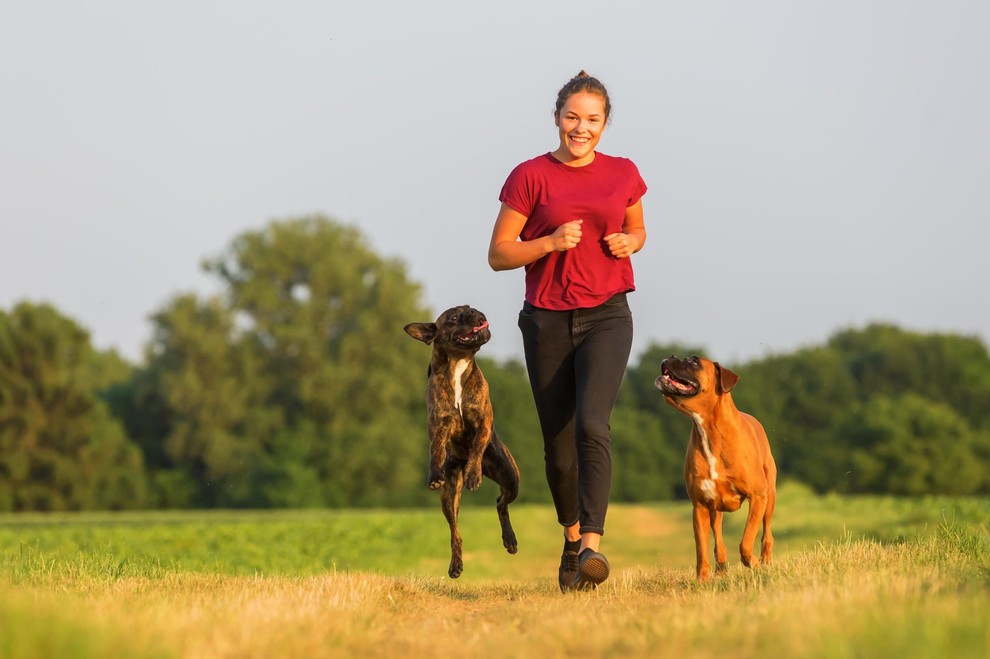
(592,570)
(568,565)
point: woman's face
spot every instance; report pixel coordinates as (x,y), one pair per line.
(580,122)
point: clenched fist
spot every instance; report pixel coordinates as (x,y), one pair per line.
(567,236)
(621,245)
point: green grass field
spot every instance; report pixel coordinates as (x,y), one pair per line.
(853,577)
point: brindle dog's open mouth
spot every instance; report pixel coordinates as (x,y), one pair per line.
(674,385)
(473,335)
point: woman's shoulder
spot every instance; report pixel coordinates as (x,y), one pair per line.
(541,161)
(534,169)
(615,161)
(623,170)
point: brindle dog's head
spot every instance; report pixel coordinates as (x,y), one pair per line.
(459,331)
(694,384)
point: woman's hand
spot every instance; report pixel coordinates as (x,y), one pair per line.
(506,251)
(622,245)
(631,239)
(567,236)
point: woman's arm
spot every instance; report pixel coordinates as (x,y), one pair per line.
(507,252)
(633,236)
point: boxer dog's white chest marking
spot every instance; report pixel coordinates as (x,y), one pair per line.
(459,369)
(707,485)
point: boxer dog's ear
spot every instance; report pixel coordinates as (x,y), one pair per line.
(424,332)
(725,379)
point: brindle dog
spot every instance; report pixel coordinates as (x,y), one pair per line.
(463,442)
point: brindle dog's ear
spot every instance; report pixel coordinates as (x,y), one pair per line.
(424,332)
(725,379)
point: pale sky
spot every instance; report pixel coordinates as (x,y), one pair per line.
(812,166)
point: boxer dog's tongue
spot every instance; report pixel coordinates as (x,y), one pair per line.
(683,386)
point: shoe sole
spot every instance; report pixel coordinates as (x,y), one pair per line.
(591,573)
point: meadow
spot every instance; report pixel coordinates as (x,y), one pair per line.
(853,577)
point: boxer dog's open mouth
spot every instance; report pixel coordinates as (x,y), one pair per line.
(475,335)
(675,384)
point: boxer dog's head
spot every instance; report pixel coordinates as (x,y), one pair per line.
(694,384)
(458,331)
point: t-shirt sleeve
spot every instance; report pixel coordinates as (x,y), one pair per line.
(518,192)
(637,185)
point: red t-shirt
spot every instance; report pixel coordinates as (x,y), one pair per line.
(550,193)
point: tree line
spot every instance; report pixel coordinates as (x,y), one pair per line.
(296,387)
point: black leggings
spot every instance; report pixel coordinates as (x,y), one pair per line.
(576,360)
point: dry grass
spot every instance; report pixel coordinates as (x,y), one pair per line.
(925,596)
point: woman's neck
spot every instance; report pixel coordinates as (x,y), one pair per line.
(563,156)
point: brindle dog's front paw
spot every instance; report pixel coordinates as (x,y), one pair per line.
(435,480)
(473,480)
(456,568)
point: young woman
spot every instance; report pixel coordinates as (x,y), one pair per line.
(572,218)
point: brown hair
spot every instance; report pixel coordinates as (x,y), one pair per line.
(583,82)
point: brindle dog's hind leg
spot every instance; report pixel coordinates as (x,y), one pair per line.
(499,465)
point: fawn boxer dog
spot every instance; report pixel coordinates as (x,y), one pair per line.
(463,442)
(728,458)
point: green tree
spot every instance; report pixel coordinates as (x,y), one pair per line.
(884,359)
(798,398)
(907,445)
(890,381)
(297,386)
(203,378)
(60,448)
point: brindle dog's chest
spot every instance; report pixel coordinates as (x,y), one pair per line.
(459,405)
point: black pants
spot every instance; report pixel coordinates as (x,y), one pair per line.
(576,360)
